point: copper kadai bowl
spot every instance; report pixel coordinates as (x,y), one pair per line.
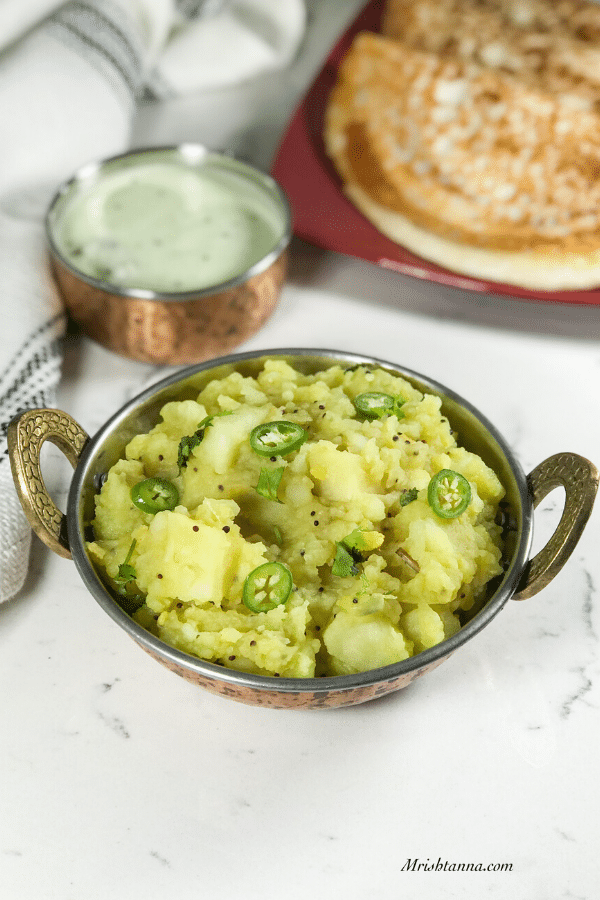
(92,457)
(172,328)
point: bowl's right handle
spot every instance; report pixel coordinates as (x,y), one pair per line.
(26,434)
(579,477)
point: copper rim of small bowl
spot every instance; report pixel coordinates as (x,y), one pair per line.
(190,154)
(506,588)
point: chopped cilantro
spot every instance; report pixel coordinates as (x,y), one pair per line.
(408,496)
(350,554)
(268,483)
(191,441)
(344,564)
(126,573)
(355,541)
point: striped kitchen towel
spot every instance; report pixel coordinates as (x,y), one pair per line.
(70,77)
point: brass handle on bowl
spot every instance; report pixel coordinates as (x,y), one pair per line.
(26,434)
(579,477)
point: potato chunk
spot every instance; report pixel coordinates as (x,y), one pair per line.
(180,558)
(357,643)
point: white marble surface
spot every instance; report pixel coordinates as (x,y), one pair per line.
(118,780)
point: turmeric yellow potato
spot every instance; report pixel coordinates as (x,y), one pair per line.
(300,525)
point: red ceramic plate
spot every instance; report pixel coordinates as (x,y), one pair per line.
(324,217)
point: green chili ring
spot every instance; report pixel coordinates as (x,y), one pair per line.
(448,494)
(376,405)
(277,438)
(267,586)
(154,495)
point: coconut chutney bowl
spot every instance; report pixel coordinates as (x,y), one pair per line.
(522,575)
(169,255)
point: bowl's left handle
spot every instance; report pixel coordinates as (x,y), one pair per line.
(579,477)
(26,434)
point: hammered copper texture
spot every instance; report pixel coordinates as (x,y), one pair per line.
(300,698)
(172,332)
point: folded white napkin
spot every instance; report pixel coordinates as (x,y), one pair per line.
(70,76)
(243,40)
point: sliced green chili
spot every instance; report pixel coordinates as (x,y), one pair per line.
(376,405)
(267,586)
(154,495)
(449,494)
(268,483)
(277,438)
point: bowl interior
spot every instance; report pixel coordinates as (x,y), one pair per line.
(475,433)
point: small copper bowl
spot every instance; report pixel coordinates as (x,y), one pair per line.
(92,457)
(182,326)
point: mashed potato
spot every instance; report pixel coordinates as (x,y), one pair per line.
(364,569)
